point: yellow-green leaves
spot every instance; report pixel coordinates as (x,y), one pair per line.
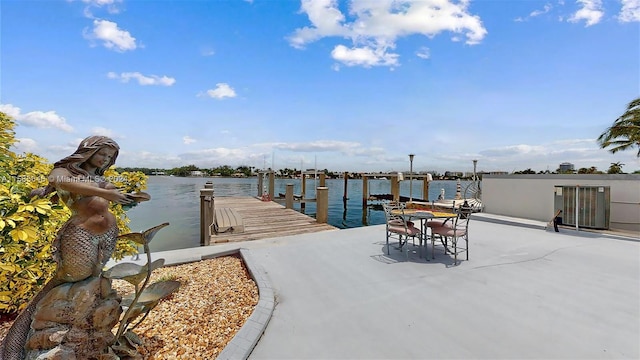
(29,224)
(41,206)
(28,234)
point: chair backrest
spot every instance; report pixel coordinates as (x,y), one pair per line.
(389,207)
(462,220)
(436,207)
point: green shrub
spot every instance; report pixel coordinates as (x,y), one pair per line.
(28,225)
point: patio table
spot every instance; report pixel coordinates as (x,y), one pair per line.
(423,216)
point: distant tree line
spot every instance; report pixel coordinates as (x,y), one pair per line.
(189,170)
(614,168)
(249,171)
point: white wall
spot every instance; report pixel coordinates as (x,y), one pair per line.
(532,196)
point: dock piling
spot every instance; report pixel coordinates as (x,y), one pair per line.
(207,209)
(288,196)
(344,196)
(365,191)
(272,184)
(322,205)
(395,186)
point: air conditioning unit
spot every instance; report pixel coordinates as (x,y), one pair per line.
(583,206)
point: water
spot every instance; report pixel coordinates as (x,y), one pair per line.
(177,200)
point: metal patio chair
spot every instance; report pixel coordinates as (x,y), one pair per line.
(451,235)
(398,227)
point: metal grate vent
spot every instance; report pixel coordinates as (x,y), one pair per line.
(588,206)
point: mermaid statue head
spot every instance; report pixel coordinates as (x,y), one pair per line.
(87,148)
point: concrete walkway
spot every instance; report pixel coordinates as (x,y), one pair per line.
(524,293)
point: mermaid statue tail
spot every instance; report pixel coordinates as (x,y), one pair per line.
(13,344)
(80,254)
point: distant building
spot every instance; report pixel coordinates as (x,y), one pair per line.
(566,167)
(453,174)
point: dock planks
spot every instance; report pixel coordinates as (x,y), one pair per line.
(265,219)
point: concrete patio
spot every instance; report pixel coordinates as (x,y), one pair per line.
(524,293)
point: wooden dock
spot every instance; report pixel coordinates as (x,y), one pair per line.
(265,219)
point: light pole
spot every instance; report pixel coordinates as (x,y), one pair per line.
(475,162)
(411,177)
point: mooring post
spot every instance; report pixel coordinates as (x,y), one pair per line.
(272,184)
(207,209)
(303,191)
(323,180)
(365,191)
(395,187)
(288,196)
(425,189)
(260,185)
(303,185)
(322,202)
(344,196)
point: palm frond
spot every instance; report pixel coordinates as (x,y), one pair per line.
(624,134)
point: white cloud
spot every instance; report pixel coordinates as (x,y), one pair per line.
(376,26)
(364,56)
(338,155)
(326,19)
(113,37)
(318,146)
(515,150)
(591,12)
(216,155)
(26,145)
(45,119)
(37,119)
(149,159)
(10,110)
(423,53)
(630,11)
(207,51)
(188,140)
(545,9)
(110,5)
(143,80)
(285,154)
(581,152)
(100,2)
(222,90)
(103,131)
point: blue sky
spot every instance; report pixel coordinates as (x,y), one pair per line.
(343,85)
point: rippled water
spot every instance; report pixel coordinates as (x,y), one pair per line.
(177,200)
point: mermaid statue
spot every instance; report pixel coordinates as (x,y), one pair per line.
(87,240)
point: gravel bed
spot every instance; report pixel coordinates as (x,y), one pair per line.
(215,298)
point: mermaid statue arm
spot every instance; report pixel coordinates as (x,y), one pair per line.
(63,180)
